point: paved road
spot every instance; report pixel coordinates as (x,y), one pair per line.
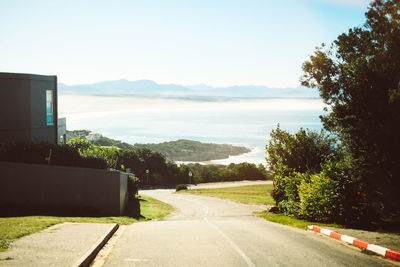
(212,232)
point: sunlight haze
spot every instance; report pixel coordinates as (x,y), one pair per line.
(219,43)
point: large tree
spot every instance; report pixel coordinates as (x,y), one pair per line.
(358,76)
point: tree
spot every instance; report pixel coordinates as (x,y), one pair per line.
(358,76)
(292,157)
(303,151)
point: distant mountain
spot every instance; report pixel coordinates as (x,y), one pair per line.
(150,88)
(124,87)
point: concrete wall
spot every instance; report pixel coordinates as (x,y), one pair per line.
(23,107)
(123,192)
(46,186)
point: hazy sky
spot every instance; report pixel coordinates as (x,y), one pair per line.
(217,42)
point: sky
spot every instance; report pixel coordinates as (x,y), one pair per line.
(215,42)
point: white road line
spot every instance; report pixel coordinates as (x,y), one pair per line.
(238,250)
(137,260)
(235,247)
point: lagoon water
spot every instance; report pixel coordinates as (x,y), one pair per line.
(239,121)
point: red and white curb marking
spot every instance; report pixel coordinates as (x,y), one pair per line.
(388,253)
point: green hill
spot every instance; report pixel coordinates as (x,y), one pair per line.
(188,150)
(180,150)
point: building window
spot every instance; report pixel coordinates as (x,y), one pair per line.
(49,107)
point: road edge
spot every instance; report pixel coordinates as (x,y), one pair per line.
(89,256)
(385,252)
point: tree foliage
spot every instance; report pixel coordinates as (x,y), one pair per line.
(297,160)
(358,76)
(300,152)
(161,171)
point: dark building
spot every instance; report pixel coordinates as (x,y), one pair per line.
(28,107)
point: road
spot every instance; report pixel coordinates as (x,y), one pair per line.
(207,231)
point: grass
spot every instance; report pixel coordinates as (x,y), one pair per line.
(259,195)
(12,228)
(154,209)
(249,194)
(286,220)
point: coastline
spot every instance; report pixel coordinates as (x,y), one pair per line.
(251,157)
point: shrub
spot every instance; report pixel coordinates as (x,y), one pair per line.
(88,150)
(319,198)
(36,153)
(180,187)
(303,151)
(280,182)
(290,204)
(133,184)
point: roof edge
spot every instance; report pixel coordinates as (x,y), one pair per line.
(27,76)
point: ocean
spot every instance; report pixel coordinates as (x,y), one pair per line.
(236,121)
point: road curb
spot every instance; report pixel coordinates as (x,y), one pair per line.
(89,256)
(385,252)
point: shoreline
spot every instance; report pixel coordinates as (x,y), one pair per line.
(250,157)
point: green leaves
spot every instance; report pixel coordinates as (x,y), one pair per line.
(301,152)
(359,77)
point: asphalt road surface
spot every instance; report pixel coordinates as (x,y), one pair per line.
(207,231)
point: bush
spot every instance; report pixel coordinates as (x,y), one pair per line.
(133,184)
(279,192)
(303,151)
(320,198)
(88,150)
(37,153)
(290,204)
(180,187)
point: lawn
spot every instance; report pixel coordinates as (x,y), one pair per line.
(249,194)
(12,228)
(153,209)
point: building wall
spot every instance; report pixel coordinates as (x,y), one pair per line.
(14,108)
(47,186)
(40,131)
(23,107)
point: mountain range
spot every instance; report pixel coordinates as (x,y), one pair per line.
(151,88)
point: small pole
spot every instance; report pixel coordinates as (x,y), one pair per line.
(190,179)
(147,174)
(49,158)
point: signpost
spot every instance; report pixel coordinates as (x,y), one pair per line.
(190,179)
(147,174)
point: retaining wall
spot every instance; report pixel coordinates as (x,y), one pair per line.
(62,190)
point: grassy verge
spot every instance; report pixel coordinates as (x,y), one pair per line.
(283,219)
(154,209)
(249,194)
(12,228)
(260,195)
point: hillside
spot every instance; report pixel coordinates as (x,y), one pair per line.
(188,150)
(180,150)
